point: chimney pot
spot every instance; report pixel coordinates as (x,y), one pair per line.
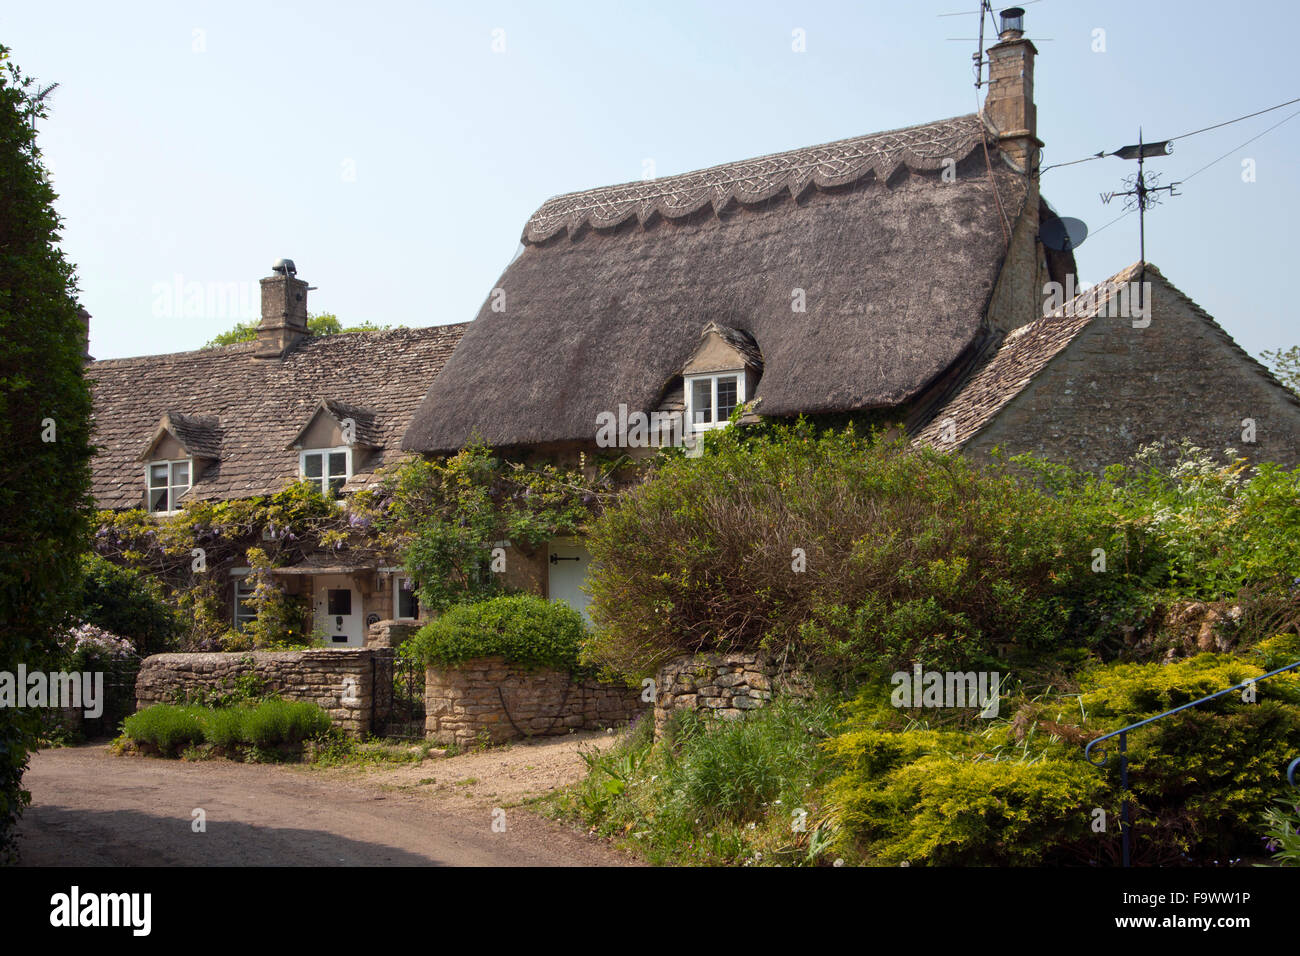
(1013,23)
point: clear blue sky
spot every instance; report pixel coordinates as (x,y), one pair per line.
(395,156)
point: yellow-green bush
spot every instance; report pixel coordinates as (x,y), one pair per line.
(1018,791)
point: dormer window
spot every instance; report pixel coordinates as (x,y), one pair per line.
(184,449)
(335,440)
(710,399)
(720,377)
(327,468)
(167,481)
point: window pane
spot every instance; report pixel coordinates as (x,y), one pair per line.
(181,474)
(702,401)
(158,476)
(311,465)
(158,499)
(340,600)
(336,486)
(726,397)
(408,605)
(244,610)
(339,463)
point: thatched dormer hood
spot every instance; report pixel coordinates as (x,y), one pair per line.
(892,241)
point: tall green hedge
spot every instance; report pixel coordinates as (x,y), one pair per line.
(44,425)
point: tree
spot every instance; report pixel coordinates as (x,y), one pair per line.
(44,427)
(324,323)
(127,602)
(1286,365)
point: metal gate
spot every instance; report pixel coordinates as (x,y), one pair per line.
(403,717)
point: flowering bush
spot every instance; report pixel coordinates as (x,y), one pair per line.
(87,642)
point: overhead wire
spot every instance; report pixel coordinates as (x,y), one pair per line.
(1204,129)
(1214,161)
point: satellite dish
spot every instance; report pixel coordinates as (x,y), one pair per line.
(1063,233)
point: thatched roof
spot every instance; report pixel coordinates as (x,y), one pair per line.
(244,413)
(613,287)
(1028,350)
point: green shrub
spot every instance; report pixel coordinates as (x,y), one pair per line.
(1018,791)
(524,629)
(1277,651)
(1211,526)
(906,555)
(270,723)
(165,726)
(275,722)
(1202,776)
(128,602)
(45,411)
(446,513)
(224,726)
(951,809)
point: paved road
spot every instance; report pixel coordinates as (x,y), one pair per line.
(93,809)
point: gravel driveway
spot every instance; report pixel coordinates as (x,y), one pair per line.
(90,808)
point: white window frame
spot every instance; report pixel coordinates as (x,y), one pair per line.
(325,476)
(174,491)
(241,583)
(397,594)
(712,378)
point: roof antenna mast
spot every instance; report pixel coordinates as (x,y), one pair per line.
(986,8)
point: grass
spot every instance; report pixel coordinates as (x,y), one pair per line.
(347,752)
(711,792)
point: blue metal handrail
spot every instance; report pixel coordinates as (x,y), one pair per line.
(1122,734)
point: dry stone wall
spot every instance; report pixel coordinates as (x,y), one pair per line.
(355,686)
(487,696)
(723,685)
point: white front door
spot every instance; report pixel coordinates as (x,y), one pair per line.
(338,611)
(567,568)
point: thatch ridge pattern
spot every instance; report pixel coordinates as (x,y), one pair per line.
(920,148)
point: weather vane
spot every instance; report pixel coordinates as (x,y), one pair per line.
(1143,191)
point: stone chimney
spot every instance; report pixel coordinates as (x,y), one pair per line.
(84,316)
(1009,106)
(284,311)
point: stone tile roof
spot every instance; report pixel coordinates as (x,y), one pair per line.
(1021,356)
(199,435)
(249,411)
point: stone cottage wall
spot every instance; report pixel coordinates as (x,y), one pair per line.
(724,685)
(506,702)
(354,685)
(1116,387)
